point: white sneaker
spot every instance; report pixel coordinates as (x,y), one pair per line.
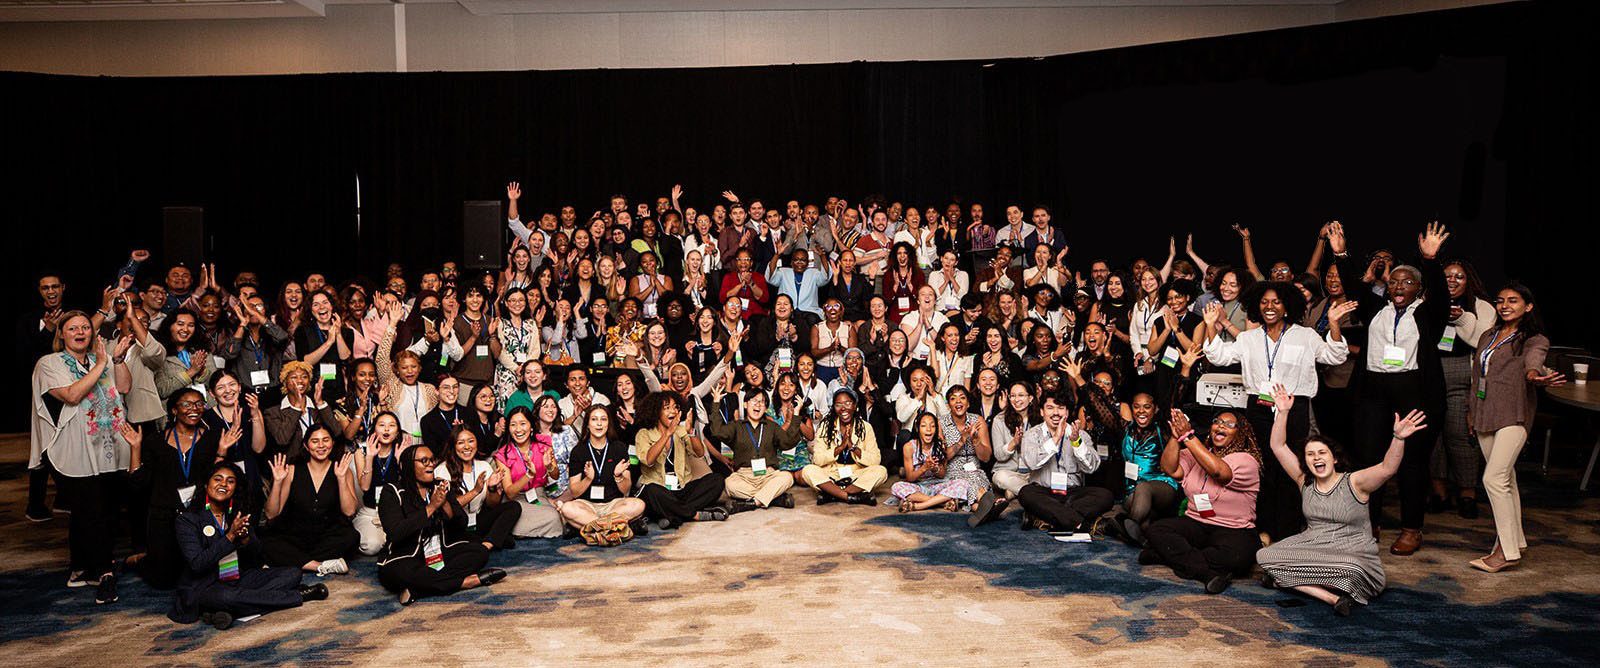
(333,567)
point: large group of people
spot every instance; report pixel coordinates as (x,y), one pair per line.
(657,364)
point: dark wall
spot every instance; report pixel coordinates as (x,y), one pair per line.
(1481,117)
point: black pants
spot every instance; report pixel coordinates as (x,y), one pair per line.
(38,481)
(680,506)
(257,591)
(1065,512)
(1200,551)
(162,560)
(494,523)
(1278,504)
(1383,396)
(136,504)
(289,548)
(460,560)
(93,529)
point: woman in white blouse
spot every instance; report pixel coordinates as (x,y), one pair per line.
(1147,308)
(1046,269)
(919,236)
(949,283)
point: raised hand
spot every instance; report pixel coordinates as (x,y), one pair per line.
(132,435)
(238,527)
(588,471)
(316,395)
(728,195)
(621,470)
(1281,399)
(279,466)
(441,492)
(514,191)
(343,470)
(139,255)
(1342,309)
(1428,242)
(1244,232)
(254,403)
(100,349)
(1336,240)
(1213,314)
(123,344)
(231,435)
(1412,423)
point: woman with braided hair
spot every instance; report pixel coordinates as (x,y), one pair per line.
(846,465)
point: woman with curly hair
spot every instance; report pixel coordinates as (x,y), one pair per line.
(1214,536)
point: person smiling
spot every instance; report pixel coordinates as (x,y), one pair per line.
(171,472)
(1058,455)
(1214,539)
(309,508)
(1335,560)
(223,575)
(427,553)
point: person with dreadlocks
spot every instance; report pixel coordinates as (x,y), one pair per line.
(1214,535)
(845,461)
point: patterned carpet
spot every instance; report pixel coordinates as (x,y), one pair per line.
(850,584)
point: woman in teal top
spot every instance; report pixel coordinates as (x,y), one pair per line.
(529,387)
(1149,493)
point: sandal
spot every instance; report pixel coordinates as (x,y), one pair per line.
(905,506)
(951,506)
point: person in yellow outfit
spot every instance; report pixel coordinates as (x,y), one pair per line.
(844,457)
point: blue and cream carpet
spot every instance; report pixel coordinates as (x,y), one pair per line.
(849,585)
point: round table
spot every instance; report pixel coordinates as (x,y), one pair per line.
(1585,397)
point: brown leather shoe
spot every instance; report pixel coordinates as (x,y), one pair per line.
(1408,543)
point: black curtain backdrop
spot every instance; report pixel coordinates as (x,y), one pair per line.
(1482,117)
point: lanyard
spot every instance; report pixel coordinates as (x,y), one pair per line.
(1272,351)
(183,356)
(755,435)
(1394,334)
(454,413)
(949,366)
(416,403)
(1322,322)
(385,463)
(254,343)
(226,423)
(1483,357)
(305,418)
(1150,314)
(527,467)
(320,336)
(185,459)
(599,464)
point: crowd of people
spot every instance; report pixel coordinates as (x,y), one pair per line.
(655,364)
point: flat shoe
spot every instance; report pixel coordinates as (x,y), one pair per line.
(490,576)
(1482,564)
(1343,606)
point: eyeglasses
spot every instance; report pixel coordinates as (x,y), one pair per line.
(190,403)
(425,460)
(1231,424)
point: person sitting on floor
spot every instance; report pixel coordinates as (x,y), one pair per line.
(427,552)
(477,484)
(598,476)
(223,578)
(1215,537)
(749,482)
(845,458)
(309,508)
(1335,560)
(673,496)
(1058,455)
(1148,492)
(925,485)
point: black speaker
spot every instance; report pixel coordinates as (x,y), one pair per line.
(183,235)
(480,234)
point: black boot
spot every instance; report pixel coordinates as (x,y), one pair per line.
(313,592)
(736,506)
(863,499)
(490,576)
(783,501)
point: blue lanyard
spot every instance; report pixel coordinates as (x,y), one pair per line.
(386,462)
(1483,357)
(1272,351)
(755,436)
(183,356)
(1322,322)
(254,343)
(416,403)
(527,467)
(320,336)
(1394,334)
(185,459)
(600,464)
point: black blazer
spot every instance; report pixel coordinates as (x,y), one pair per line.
(200,556)
(1432,315)
(407,526)
(161,469)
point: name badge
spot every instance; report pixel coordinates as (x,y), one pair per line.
(847,471)
(791,452)
(1102,450)
(1447,342)
(1130,470)
(1264,394)
(1169,357)
(950,304)
(672,482)
(377,495)
(650,310)
(186,494)
(532,495)
(328,371)
(727,450)
(903,303)
(259,378)
(597,492)
(472,521)
(598,358)
(481,351)
(1058,483)
(969,467)
(759,466)
(785,357)
(228,567)
(1394,356)
(217,361)
(744,302)
(1202,505)
(633,455)
(433,553)
(1483,387)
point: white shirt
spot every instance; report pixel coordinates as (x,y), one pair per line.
(1294,356)
(1383,332)
(927,253)
(479,467)
(409,409)
(1004,236)
(1141,322)
(916,329)
(947,292)
(595,398)
(952,371)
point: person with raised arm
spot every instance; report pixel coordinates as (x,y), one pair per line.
(309,508)
(1335,560)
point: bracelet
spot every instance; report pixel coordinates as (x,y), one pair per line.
(1186,435)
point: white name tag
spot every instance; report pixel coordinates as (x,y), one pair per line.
(217,361)
(1394,356)
(186,494)
(744,302)
(650,310)
(472,521)
(1130,470)
(785,357)
(672,482)
(1202,504)
(1170,356)
(846,471)
(903,303)
(969,467)
(328,371)
(532,495)
(1447,342)
(1102,450)
(597,492)
(759,465)
(599,357)
(433,553)
(258,378)
(481,351)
